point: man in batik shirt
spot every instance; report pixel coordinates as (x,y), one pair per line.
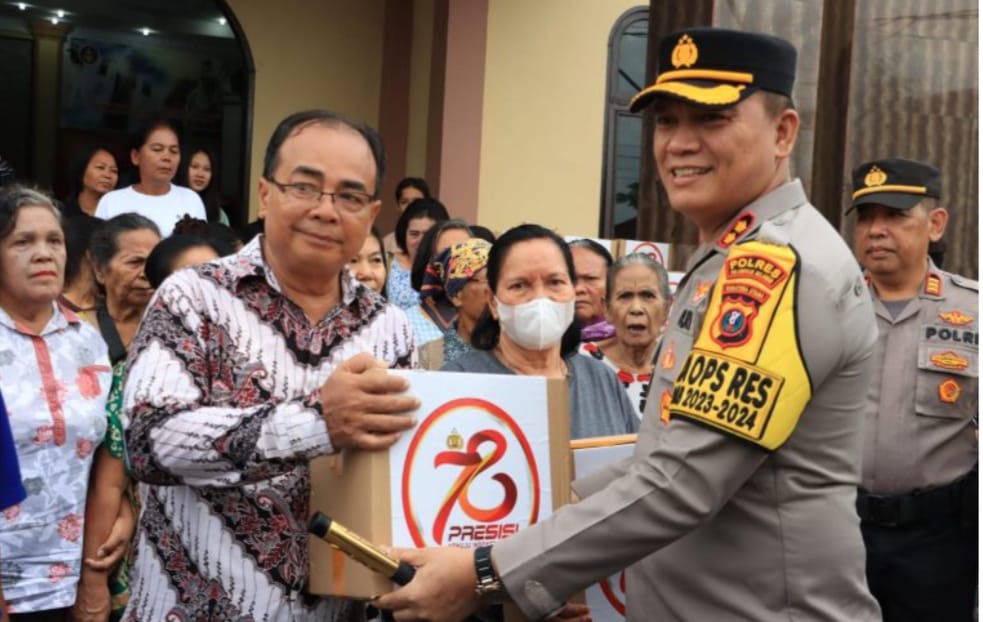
(247,367)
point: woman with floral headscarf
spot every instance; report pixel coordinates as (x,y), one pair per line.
(457,276)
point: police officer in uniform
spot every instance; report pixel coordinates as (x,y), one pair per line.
(918,497)
(739,502)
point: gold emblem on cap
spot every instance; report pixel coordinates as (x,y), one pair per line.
(455,440)
(875,177)
(685,52)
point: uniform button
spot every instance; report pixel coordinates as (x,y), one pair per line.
(858,288)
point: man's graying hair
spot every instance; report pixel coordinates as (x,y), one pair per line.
(297,121)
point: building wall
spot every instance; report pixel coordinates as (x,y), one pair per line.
(543,124)
(325,54)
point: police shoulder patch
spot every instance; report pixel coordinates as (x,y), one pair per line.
(745,375)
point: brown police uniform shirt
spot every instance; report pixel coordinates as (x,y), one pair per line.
(924,393)
(719,528)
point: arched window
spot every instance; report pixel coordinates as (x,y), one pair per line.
(627,49)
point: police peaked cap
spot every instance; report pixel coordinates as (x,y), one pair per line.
(718,68)
(895,182)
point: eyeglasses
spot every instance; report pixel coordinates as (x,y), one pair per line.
(351,201)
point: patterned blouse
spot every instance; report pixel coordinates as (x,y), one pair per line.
(55,385)
(222,413)
(424,330)
(400,288)
(637,385)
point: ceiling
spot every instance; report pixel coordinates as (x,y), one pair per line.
(190,18)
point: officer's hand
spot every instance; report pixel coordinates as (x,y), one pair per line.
(572,612)
(362,406)
(443,589)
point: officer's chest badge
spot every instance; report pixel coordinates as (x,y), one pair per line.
(949,391)
(875,177)
(685,53)
(664,402)
(949,360)
(669,357)
(702,289)
(956,318)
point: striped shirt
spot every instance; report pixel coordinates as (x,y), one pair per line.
(222,409)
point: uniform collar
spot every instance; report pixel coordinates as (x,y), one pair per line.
(249,262)
(748,221)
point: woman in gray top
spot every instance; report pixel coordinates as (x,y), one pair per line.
(528,330)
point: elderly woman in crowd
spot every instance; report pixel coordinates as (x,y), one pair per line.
(435,313)
(155,152)
(370,267)
(529,330)
(591,262)
(119,251)
(54,375)
(458,276)
(94,173)
(413,223)
(637,305)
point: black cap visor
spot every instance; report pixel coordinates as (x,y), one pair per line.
(894,200)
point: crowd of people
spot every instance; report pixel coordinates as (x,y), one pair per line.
(165,379)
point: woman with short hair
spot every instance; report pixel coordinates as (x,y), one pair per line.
(413,224)
(156,155)
(94,173)
(54,375)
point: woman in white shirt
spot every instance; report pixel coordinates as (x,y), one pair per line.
(156,154)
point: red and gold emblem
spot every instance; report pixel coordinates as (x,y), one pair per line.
(949,360)
(734,322)
(949,391)
(669,358)
(701,291)
(956,318)
(742,224)
(664,406)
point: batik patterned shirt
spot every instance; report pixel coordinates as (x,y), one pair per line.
(222,410)
(55,385)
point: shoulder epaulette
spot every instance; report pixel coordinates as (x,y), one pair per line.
(965,282)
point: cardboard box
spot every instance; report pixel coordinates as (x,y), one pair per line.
(489,455)
(606,598)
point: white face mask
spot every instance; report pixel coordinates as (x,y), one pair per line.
(537,324)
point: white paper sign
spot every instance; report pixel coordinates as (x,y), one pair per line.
(658,251)
(476,468)
(606,599)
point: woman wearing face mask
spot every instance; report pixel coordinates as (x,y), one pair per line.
(155,152)
(637,306)
(529,330)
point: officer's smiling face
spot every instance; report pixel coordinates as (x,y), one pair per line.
(713,163)
(889,242)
